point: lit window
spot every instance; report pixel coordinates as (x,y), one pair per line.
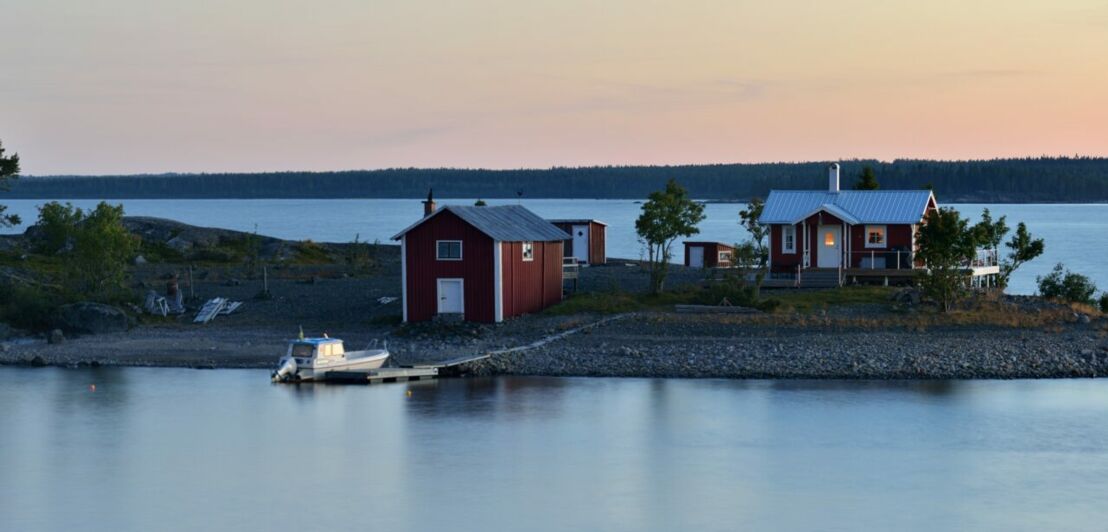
(448,250)
(788,239)
(528,251)
(829,239)
(875,236)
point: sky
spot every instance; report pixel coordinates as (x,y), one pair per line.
(152,86)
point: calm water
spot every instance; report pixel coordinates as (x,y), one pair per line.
(169,449)
(1075,234)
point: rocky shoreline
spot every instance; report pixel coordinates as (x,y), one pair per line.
(647,344)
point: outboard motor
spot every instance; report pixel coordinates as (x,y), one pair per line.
(286,372)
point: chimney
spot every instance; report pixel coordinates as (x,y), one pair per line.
(833,177)
(428,204)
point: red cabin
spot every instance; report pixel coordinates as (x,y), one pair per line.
(481,264)
(853,231)
(709,255)
(586,242)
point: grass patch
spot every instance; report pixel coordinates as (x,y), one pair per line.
(812,300)
(308,252)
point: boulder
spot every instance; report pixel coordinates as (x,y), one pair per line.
(55,337)
(92,318)
(179,244)
(139,260)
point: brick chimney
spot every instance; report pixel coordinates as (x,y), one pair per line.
(428,204)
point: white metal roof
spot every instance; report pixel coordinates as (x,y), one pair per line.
(853,206)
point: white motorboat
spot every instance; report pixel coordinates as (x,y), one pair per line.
(311,359)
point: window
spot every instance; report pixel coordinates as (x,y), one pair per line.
(788,239)
(528,251)
(829,239)
(724,256)
(448,250)
(875,236)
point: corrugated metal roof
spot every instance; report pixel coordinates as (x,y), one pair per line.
(508,223)
(576,221)
(865,206)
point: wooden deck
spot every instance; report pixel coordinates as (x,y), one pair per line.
(381,375)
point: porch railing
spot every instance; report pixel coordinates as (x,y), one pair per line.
(881,259)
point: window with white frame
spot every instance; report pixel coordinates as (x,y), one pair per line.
(724,256)
(528,251)
(448,250)
(875,236)
(788,239)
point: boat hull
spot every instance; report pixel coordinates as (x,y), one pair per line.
(317,369)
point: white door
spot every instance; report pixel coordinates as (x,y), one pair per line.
(696,257)
(581,243)
(451,296)
(830,246)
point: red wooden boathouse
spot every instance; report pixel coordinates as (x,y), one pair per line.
(483,264)
(586,242)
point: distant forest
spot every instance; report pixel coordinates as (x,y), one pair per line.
(1080,179)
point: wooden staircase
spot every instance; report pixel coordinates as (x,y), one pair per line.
(819,278)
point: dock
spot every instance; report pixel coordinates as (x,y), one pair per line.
(406,373)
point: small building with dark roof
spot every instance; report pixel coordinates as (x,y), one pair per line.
(586,240)
(701,254)
(483,264)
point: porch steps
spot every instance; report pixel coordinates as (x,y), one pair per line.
(819,278)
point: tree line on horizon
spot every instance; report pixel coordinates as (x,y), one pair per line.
(1043,179)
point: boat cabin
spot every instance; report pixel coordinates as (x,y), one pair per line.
(308,348)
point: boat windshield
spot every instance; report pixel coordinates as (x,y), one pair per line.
(302,350)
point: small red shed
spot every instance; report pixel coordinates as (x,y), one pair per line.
(709,255)
(586,241)
(483,264)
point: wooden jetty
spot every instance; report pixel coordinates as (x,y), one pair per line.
(412,372)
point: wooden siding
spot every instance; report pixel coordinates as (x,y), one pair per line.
(597,234)
(711,253)
(423,270)
(897,236)
(530,286)
(779,260)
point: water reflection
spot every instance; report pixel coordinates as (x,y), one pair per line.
(150,447)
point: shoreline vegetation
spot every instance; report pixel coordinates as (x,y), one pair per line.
(1027,180)
(864,332)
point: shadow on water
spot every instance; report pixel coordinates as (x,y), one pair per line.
(486,397)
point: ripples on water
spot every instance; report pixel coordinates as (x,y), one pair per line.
(156,449)
(1075,234)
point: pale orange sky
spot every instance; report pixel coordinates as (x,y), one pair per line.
(129,86)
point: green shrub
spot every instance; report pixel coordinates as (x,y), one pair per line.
(1104,302)
(26,306)
(1064,285)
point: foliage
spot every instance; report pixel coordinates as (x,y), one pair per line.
(867,180)
(360,256)
(1104,302)
(27,306)
(809,300)
(480,203)
(96,248)
(946,243)
(1045,179)
(666,215)
(58,224)
(1024,248)
(990,233)
(309,252)
(754,254)
(9,169)
(1064,285)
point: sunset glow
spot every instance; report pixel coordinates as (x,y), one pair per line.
(130,86)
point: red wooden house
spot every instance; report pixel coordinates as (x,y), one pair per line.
(709,255)
(482,264)
(855,232)
(586,242)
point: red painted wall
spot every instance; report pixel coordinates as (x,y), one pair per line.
(423,270)
(779,260)
(711,253)
(530,286)
(896,236)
